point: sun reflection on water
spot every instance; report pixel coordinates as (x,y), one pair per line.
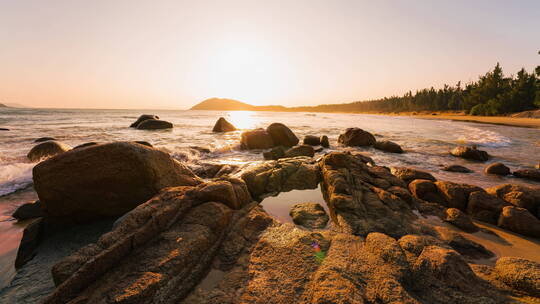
(242,119)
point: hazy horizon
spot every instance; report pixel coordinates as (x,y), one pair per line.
(174,54)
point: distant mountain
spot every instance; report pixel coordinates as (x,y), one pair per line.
(14,105)
(3,105)
(224,104)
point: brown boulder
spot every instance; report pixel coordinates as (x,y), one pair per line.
(143,118)
(426,190)
(456,195)
(309,215)
(497,169)
(519,220)
(302,150)
(410,174)
(47,149)
(471,153)
(456,168)
(28,211)
(532,174)
(356,137)
(485,207)
(276,153)
(282,135)
(154,124)
(388,146)
(518,195)
(256,139)
(222,125)
(324,141)
(312,140)
(519,273)
(461,220)
(105,180)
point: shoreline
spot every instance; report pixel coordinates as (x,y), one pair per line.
(494,120)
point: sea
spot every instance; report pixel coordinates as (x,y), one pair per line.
(427,143)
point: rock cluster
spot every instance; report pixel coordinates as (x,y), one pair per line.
(471,153)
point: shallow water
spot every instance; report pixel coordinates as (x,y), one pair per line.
(279,206)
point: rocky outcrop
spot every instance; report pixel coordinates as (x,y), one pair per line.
(28,211)
(105,180)
(456,168)
(532,174)
(471,153)
(256,139)
(521,274)
(485,207)
(309,215)
(497,169)
(354,137)
(388,146)
(461,220)
(282,135)
(456,195)
(143,118)
(410,174)
(519,220)
(519,195)
(356,205)
(283,175)
(222,125)
(47,149)
(154,124)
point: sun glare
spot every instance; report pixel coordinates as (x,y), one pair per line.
(243,119)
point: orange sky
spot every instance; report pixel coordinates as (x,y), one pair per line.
(173,54)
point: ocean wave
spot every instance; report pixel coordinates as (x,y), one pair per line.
(487,138)
(15,177)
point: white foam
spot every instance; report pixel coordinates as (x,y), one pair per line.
(476,136)
(14,177)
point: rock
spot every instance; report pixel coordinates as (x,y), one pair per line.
(532,174)
(282,135)
(519,220)
(426,190)
(312,140)
(154,124)
(145,143)
(256,139)
(280,176)
(410,174)
(309,215)
(105,180)
(459,219)
(47,149)
(4,129)
(324,141)
(143,118)
(415,244)
(470,153)
(276,153)
(457,168)
(403,193)
(222,125)
(463,245)
(519,273)
(485,207)
(388,146)
(302,150)
(356,137)
(497,169)
(42,139)
(456,195)
(28,211)
(32,235)
(88,144)
(518,195)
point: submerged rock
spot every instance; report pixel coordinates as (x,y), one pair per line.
(222,125)
(388,146)
(519,220)
(457,168)
(461,220)
(47,149)
(143,118)
(532,174)
(256,139)
(471,153)
(497,169)
(154,124)
(309,215)
(282,135)
(356,137)
(105,180)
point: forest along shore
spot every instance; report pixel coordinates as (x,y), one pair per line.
(161,230)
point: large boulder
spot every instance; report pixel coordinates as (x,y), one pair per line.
(154,124)
(532,174)
(309,215)
(356,137)
(256,139)
(410,174)
(302,150)
(105,180)
(222,125)
(143,118)
(497,169)
(459,219)
(282,135)
(519,273)
(388,146)
(47,149)
(456,195)
(456,168)
(519,220)
(519,195)
(471,153)
(426,190)
(485,207)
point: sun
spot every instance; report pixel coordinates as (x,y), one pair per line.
(242,119)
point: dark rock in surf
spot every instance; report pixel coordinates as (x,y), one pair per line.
(153,124)
(222,125)
(28,211)
(471,153)
(309,215)
(256,139)
(497,169)
(47,149)
(457,168)
(42,139)
(519,220)
(354,137)
(388,146)
(143,118)
(532,174)
(282,135)
(324,141)
(312,140)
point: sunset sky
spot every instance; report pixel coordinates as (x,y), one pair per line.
(173,54)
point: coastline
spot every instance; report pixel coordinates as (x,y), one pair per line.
(496,120)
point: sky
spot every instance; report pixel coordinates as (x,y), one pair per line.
(173,54)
